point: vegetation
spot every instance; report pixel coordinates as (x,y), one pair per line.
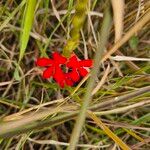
(107,109)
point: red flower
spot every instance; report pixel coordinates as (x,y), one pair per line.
(54,69)
(78,67)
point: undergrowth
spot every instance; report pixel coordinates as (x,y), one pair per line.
(111,102)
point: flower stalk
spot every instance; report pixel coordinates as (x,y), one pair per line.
(77,23)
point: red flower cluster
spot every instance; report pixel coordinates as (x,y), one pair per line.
(74,66)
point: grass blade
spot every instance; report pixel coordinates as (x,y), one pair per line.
(3,25)
(108,131)
(27,25)
(88,95)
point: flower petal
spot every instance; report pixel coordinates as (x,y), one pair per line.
(69,82)
(86,63)
(74,75)
(59,58)
(59,76)
(61,83)
(59,73)
(48,72)
(43,62)
(73,62)
(83,72)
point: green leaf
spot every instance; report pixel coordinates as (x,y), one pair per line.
(26,25)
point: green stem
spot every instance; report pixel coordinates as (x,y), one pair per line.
(77,23)
(88,96)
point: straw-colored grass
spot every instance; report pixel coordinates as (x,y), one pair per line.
(109,108)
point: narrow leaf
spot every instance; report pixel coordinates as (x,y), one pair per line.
(108,131)
(134,135)
(26,25)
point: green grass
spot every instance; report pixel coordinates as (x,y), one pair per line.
(27,23)
(37,113)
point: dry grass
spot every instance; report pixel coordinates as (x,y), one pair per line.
(38,114)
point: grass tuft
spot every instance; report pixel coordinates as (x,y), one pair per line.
(109,108)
